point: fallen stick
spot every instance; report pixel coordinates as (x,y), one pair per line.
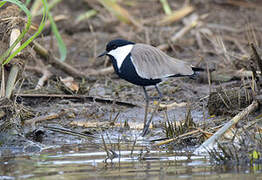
(178,137)
(67,67)
(172,105)
(41,68)
(77,134)
(104,71)
(56,62)
(209,143)
(67,96)
(176,15)
(44,118)
(66,131)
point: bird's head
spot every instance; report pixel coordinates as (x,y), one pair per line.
(117,46)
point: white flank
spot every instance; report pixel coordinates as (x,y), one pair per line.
(120,53)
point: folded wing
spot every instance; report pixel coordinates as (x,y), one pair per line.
(152,63)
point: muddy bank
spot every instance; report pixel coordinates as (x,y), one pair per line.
(93,101)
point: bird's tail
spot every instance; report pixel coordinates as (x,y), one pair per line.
(197,69)
(196,72)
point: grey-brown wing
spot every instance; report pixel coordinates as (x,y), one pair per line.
(152,63)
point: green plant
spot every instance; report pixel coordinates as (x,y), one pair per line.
(6,57)
(36,10)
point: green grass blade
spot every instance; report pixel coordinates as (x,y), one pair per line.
(86,15)
(27,2)
(50,6)
(118,11)
(41,26)
(20,37)
(2,3)
(166,7)
(61,44)
(62,48)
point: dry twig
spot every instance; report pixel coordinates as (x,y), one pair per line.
(44,118)
(67,67)
(182,32)
(41,68)
(178,137)
(82,97)
(209,144)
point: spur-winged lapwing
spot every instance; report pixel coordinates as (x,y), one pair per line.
(144,65)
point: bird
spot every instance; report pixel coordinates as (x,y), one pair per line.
(145,65)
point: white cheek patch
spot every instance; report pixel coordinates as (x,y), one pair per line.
(120,53)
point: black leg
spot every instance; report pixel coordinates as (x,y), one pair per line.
(147,123)
(146,107)
(146,127)
(159,92)
(146,95)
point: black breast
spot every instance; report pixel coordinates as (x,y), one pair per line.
(128,72)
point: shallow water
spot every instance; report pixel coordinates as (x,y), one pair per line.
(86,162)
(84,159)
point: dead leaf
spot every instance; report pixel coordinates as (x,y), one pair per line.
(176,15)
(70,83)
